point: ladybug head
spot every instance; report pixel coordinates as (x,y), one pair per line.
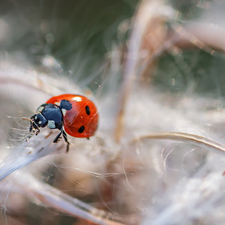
(36,121)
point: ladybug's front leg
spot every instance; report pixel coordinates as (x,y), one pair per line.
(31,123)
(37,131)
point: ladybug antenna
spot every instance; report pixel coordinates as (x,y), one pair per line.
(25,118)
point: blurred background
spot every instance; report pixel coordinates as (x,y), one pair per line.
(80,36)
(77,34)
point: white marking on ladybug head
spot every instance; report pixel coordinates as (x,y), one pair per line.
(64,112)
(39,122)
(40,108)
(35,117)
(57,103)
(51,124)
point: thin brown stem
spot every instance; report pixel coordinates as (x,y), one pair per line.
(190,138)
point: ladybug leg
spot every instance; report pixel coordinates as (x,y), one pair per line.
(57,137)
(31,127)
(66,140)
(37,131)
(31,123)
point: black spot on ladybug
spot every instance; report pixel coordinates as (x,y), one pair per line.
(65,104)
(81,129)
(87,110)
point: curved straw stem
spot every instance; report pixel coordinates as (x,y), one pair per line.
(190,138)
(139,27)
(149,13)
(54,198)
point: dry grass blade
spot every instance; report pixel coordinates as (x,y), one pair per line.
(52,198)
(190,138)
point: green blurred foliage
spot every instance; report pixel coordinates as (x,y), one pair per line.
(79,33)
(73,31)
(196,68)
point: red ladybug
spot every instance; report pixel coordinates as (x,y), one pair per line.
(72,114)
